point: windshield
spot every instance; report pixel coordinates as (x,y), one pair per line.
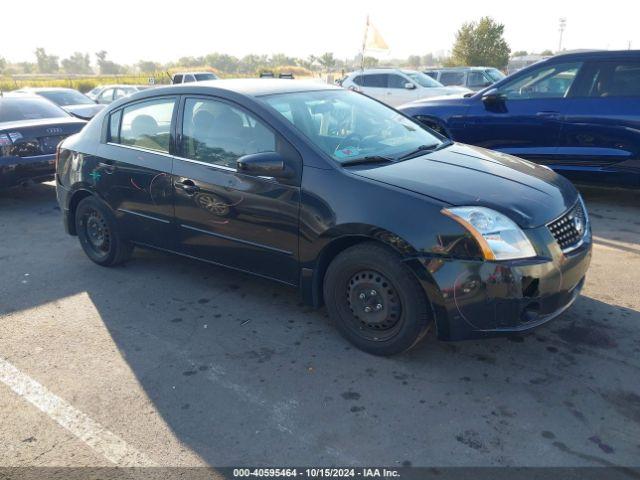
(205,76)
(423,80)
(66,97)
(347,125)
(16,109)
(495,74)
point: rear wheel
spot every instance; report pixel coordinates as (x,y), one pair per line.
(375,300)
(98,234)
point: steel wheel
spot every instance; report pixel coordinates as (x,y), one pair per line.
(374,304)
(97,232)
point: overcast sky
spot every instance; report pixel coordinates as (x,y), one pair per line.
(131,30)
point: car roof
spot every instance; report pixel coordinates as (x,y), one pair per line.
(455,69)
(47,89)
(192,72)
(252,87)
(595,54)
(377,70)
(119,85)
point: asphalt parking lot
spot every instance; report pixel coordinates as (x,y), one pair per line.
(166,361)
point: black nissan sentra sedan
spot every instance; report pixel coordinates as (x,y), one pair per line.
(388,224)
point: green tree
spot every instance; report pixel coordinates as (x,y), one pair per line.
(427,59)
(546,53)
(107,67)
(77,63)
(27,67)
(280,60)
(414,61)
(520,53)
(3,64)
(190,61)
(46,63)
(370,62)
(481,43)
(327,60)
(147,66)
(222,62)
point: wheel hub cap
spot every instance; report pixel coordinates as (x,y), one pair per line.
(373,300)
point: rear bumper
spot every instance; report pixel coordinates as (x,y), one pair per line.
(475,299)
(17,170)
(62,195)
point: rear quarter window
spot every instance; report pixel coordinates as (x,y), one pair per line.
(113,133)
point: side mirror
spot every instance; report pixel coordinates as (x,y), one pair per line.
(409,86)
(493,96)
(263,164)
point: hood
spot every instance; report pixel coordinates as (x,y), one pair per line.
(443,92)
(85,111)
(456,98)
(460,175)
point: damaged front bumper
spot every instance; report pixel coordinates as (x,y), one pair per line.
(476,299)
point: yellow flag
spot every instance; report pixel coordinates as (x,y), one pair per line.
(374,40)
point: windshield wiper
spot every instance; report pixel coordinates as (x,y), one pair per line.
(425,148)
(366,160)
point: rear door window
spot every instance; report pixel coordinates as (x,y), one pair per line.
(452,78)
(477,79)
(616,79)
(375,80)
(396,81)
(148,124)
(106,96)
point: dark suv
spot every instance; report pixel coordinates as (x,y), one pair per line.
(578,113)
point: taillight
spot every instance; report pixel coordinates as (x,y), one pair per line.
(57,156)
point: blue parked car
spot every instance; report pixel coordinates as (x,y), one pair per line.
(578,113)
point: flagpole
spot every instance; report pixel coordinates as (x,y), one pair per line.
(364,43)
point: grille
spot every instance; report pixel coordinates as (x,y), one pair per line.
(570,228)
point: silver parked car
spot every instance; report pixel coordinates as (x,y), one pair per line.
(473,78)
(105,94)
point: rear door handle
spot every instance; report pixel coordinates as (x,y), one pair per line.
(108,166)
(188,186)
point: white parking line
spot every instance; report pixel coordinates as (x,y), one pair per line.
(101,440)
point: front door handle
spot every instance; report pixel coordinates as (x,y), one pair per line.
(188,186)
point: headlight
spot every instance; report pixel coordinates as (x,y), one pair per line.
(498,236)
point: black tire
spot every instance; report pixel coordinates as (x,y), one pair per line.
(99,235)
(372,276)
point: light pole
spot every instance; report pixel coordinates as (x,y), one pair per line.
(563,24)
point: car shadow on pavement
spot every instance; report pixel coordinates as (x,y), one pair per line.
(244,374)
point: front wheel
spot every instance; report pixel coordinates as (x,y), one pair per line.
(375,300)
(98,234)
